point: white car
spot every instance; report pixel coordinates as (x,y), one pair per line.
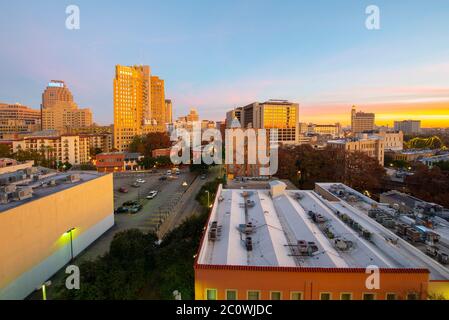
(168,172)
(140,181)
(152,194)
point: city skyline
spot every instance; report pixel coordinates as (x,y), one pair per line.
(225,59)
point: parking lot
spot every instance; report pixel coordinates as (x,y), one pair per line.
(153,212)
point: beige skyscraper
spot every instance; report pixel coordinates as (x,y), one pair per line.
(361,121)
(135,112)
(60,112)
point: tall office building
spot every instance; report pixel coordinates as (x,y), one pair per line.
(60,112)
(408,126)
(134,111)
(272,114)
(361,121)
(158,110)
(168,111)
(18,118)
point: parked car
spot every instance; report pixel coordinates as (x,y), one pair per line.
(203,176)
(168,172)
(152,194)
(135,185)
(121,210)
(123,190)
(135,209)
(140,181)
(130,203)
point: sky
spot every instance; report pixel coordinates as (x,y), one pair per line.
(216,55)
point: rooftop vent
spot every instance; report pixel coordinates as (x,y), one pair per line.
(249,244)
(74,178)
(277,188)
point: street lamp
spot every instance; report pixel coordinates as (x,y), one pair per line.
(71,242)
(44,289)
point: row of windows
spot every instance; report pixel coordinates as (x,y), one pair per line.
(231,294)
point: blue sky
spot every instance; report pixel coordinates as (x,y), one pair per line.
(215,55)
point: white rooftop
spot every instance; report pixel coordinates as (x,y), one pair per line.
(279,224)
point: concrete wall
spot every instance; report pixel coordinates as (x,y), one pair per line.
(33,242)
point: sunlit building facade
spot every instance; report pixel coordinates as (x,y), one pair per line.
(272,114)
(133,108)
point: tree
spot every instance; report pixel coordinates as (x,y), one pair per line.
(305,166)
(94,151)
(5,151)
(431,185)
(147,143)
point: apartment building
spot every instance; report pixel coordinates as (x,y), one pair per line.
(73,149)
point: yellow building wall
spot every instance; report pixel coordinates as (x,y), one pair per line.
(35,230)
(439,289)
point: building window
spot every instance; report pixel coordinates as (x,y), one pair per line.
(390,296)
(275,295)
(369,296)
(346,296)
(231,294)
(253,295)
(325,296)
(295,295)
(412,296)
(211,294)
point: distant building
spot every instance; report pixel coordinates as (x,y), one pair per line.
(47,217)
(430,161)
(373,146)
(410,155)
(333,130)
(408,126)
(60,112)
(233,114)
(161,153)
(393,140)
(16,118)
(267,244)
(361,121)
(11,165)
(118,161)
(272,114)
(73,149)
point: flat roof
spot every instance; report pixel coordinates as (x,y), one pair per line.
(280,222)
(405,252)
(41,188)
